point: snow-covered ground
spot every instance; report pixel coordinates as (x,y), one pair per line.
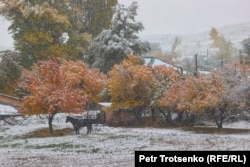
(106,146)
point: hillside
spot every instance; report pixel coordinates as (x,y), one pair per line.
(199,43)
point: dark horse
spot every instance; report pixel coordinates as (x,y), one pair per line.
(78,123)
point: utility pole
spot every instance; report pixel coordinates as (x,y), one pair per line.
(241,59)
(196,64)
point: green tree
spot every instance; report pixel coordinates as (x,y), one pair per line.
(37,30)
(10,71)
(246,46)
(176,44)
(97,15)
(88,18)
(43,29)
(113,45)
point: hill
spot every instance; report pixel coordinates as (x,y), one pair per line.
(199,42)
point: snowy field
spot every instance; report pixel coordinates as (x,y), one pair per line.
(106,146)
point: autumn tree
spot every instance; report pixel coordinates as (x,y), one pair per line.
(214,36)
(131,85)
(56,86)
(165,79)
(45,29)
(37,30)
(200,93)
(234,85)
(112,45)
(224,46)
(216,95)
(170,100)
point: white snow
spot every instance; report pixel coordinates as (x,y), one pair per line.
(106,146)
(105,104)
(4,109)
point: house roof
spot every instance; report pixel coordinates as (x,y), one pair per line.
(155,61)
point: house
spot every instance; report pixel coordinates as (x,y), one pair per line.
(154,61)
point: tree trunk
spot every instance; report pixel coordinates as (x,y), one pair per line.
(219,120)
(138,114)
(179,116)
(219,124)
(153,113)
(50,124)
(167,116)
(190,117)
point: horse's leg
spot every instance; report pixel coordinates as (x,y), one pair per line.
(90,127)
(76,129)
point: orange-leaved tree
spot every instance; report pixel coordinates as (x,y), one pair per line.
(200,93)
(131,85)
(166,78)
(60,86)
(170,100)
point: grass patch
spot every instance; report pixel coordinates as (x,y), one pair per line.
(40,133)
(60,146)
(95,150)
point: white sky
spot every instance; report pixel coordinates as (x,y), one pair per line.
(189,16)
(5,38)
(176,16)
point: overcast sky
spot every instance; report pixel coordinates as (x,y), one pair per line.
(189,16)
(5,37)
(177,16)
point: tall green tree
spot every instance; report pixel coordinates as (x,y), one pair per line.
(98,15)
(10,71)
(111,46)
(37,30)
(47,28)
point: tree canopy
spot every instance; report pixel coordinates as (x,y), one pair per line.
(246,46)
(224,46)
(45,29)
(10,71)
(131,84)
(56,86)
(112,45)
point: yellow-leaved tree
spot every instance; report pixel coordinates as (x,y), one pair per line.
(131,85)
